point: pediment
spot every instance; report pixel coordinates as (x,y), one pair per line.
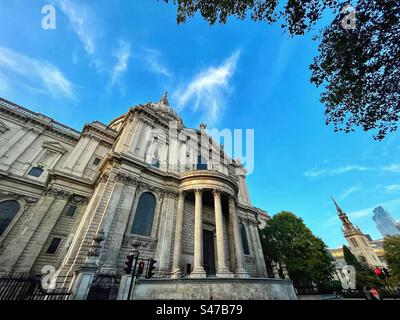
(3,127)
(55,146)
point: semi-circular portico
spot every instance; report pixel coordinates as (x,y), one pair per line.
(219,184)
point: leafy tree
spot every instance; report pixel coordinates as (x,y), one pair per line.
(358,68)
(297,16)
(391,246)
(365,276)
(287,239)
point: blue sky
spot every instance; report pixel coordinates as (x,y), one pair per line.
(105,56)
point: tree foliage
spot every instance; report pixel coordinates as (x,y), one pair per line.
(365,276)
(287,239)
(391,246)
(296,16)
(358,68)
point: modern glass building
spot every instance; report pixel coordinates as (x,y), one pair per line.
(384,222)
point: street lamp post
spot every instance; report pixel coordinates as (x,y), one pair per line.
(135,253)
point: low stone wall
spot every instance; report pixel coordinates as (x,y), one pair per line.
(211,288)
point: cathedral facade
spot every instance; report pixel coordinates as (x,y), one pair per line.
(82,201)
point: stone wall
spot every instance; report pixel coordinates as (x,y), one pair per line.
(206,289)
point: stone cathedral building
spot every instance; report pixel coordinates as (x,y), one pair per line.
(359,244)
(80,202)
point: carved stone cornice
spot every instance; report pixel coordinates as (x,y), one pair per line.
(58,193)
(9,194)
(127,178)
(80,200)
(146,186)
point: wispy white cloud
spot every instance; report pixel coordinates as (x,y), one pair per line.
(37,75)
(82,22)
(153,59)
(348,192)
(318,172)
(4,84)
(390,188)
(122,54)
(208,89)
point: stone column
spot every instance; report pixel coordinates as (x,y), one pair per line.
(198,270)
(240,271)
(223,270)
(176,262)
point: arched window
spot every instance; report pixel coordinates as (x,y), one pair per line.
(144,214)
(35,172)
(244,239)
(8,210)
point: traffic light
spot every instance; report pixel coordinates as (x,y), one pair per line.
(150,271)
(128,268)
(379,272)
(140,268)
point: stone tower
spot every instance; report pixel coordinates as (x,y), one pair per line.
(358,242)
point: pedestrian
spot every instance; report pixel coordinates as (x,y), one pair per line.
(374,294)
(367,294)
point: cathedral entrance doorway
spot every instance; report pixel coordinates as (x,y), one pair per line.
(208,252)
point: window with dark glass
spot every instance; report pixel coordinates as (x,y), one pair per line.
(244,239)
(71,211)
(96,161)
(144,215)
(8,210)
(155,163)
(54,245)
(201,163)
(35,172)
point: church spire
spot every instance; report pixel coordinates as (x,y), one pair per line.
(339,210)
(347,225)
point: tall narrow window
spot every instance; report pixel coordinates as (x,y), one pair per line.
(201,163)
(71,210)
(8,210)
(144,215)
(244,239)
(96,161)
(54,245)
(35,172)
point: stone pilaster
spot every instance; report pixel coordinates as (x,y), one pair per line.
(177,257)
(19,148)
(258,253)
(124,213)
(13,251)
(240,271)
(165,232)
(38,239)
